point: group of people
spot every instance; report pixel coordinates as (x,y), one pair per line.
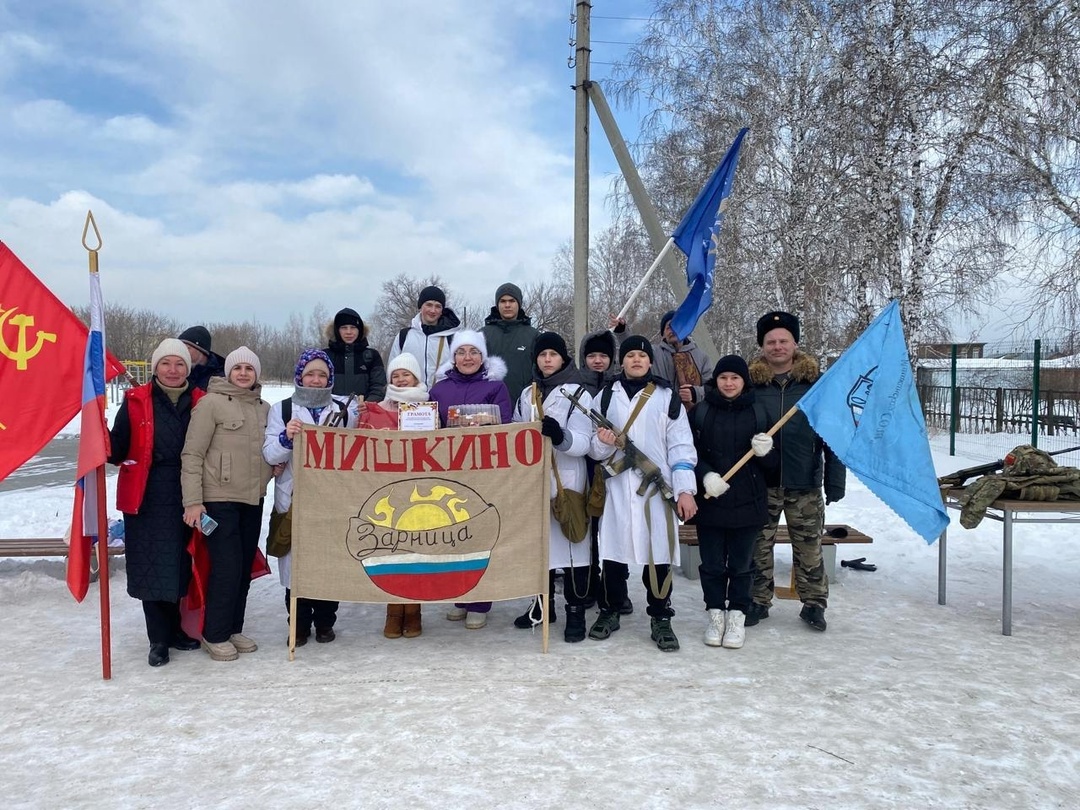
(198,442)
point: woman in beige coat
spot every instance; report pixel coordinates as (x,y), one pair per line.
(223,475)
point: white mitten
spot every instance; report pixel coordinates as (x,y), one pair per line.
(715,485)
(762,444)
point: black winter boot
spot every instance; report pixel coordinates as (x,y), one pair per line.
(575,624)
(531,617)
(756,614)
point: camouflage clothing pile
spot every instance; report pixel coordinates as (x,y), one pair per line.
(1029,474)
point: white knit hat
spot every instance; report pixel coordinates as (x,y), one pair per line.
(469,337)
(170,347)
(407,362)
(243,355)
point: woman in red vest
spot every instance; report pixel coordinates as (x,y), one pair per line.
(146,439)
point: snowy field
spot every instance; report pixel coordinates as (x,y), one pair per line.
(903,703)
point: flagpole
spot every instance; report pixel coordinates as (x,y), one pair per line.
(102,521)
(645,280)
(738,465)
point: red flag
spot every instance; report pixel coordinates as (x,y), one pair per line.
(42,352)
(193,604)
(89,511)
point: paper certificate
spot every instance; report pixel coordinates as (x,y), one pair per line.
(418,416)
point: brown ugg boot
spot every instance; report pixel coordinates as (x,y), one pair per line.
(413,626)
(394,615)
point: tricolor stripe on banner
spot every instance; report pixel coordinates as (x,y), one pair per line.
(427,576)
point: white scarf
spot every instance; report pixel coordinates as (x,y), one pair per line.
(418,393)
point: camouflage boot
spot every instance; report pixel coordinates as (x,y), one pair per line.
(606,624)
(663,635)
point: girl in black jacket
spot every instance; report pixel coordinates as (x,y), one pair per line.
(726,425)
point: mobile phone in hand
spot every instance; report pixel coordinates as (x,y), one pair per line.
(207,524)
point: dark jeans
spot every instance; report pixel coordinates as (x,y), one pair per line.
(162,621)
(232,549)
(727,566)
(613,586)
(321,612)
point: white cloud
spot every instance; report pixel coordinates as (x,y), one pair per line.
(254,159)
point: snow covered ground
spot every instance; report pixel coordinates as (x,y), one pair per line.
(902,703)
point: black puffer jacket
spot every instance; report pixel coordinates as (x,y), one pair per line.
(201,375)
(806,462)
(722,432)
(358,368)
(156,558)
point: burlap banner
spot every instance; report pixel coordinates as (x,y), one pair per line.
(390,516)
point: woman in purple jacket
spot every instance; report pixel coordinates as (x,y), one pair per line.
(471,377)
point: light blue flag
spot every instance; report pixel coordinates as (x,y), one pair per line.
(698,235)
(866,409)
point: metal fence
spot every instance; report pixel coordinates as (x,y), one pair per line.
(989,404)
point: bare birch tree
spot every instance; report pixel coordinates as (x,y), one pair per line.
(879,131)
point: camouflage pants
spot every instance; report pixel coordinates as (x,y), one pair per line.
(804,511)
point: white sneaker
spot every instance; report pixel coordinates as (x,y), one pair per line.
(474,620)
(456,614)
(735,633)
(714,630)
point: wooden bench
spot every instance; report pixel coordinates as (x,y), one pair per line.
(834,534)
(47,547)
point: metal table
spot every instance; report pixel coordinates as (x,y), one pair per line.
(1008,513)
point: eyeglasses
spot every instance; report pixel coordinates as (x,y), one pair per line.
(468,353)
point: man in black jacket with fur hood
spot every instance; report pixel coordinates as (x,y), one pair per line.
(781,376)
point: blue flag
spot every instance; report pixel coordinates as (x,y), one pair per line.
(866,409)
(698,236)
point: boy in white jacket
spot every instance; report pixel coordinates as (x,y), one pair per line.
(641,529)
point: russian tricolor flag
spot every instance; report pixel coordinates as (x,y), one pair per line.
(93,451)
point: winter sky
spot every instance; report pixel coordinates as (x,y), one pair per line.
(252,159)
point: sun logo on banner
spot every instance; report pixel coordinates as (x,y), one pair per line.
(440,507)
(430,539)
(21,353)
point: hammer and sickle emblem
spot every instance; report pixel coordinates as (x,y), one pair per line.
(21,354)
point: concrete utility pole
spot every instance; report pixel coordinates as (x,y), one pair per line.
(676,275)
(582,54)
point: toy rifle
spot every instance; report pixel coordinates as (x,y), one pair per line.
(341,418)
(960,478)
(632,458)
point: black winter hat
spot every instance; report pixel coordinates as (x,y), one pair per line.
(665,319)
(348,317)
(635,343)
(597,343)
(197,336)
(513,290)
(553,341)
(777,320)
(734,364)
(430,294)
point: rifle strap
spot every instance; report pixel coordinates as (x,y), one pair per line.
(611,467)
(661,591)
(646,392)
(539,405)
(438,354)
